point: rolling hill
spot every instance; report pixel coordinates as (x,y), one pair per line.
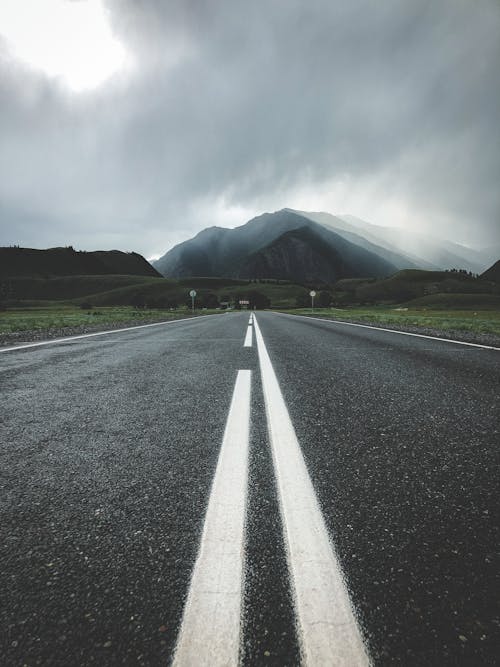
(18,262)
(429,287)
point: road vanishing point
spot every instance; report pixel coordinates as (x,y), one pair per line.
(249,489)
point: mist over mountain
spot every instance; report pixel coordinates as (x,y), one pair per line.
(312,247)
(424,252)
(362,237)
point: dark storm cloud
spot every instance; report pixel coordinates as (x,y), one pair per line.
(238,106)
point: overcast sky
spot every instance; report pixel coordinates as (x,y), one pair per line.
(133,125)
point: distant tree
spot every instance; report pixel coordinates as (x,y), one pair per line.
(210,300)
(138,301)
(324,299)
(6,294)
(162,303)
(303,300)
(258,300)
(204,299)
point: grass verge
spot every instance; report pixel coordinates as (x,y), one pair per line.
(486,322)
(68,317)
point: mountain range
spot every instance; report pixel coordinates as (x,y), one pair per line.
(313,247)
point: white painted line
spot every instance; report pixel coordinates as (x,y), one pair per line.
(328,631)
(248,337)
(68,339)
(403,333)
(250,319)
(210,630)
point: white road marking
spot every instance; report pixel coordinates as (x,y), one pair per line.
(210,630)
(248,337)
(403,333)
(68,339)
(328,631)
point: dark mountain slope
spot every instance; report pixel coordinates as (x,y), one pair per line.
(493,273)
(301,255)
(217,251)
(28,262)
(230,252)
(197,256)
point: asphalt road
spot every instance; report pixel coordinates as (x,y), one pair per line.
(110,444)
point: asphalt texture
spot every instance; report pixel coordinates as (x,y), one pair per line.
(108,449)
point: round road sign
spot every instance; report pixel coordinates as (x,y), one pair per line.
(312,293)
(192,293)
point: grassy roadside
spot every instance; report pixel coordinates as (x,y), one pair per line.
(68,317)
(481,322)
(57,318)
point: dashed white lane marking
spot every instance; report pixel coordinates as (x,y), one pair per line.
(68,339)
(403,333)
(328,631)
(210,630)
(248,337)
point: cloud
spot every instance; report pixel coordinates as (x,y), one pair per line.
(386,110)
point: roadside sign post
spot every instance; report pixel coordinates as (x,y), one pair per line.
(312,294)
(192,294)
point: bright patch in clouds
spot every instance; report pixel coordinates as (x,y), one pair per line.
(66,39)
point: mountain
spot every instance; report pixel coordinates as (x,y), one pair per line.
(493,273)
(247,251)
(363,238)
(302,255)
(417,250)
(426,251)
(28,262)
(217,251)
(492,253)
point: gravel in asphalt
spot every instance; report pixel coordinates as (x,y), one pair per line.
(109,445)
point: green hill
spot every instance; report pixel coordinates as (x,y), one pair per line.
(413,284)
(210,292)
(126,290)
(68,287)
(456,301)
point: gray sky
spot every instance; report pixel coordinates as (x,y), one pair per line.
(133,125)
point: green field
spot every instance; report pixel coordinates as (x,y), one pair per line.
(73,287)
(61,317)
(100,291)
(66,316)
(69,302)
(480,321)
(440,300)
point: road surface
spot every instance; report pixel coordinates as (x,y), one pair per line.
(208,491)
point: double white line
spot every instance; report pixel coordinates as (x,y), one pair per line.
(248,337)
(327,629)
